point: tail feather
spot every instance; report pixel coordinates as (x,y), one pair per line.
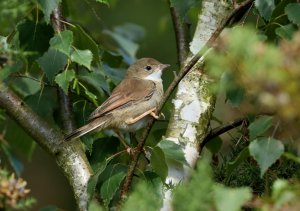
(93,125)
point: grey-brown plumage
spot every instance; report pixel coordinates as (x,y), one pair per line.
(131,103)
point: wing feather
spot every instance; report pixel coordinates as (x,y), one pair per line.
(126,93)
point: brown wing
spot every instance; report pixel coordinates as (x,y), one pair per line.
(127,92)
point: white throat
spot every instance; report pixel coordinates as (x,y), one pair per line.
(155,76)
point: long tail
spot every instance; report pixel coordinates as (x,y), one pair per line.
(93,125)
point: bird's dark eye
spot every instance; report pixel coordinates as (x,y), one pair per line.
(148,67)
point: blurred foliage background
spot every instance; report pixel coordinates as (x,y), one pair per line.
(256,69)
(152,19)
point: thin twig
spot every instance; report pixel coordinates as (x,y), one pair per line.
(181,74)
(220,130)
(66,112)
(181,30)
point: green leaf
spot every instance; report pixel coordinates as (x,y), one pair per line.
(292,157)
(15,163)
(214,145)
(115,175)
(102,148)
(266,151)
(154,181)
(63,79)
(235,95)
(62,41)
(26,86)
(158,162)
(95,206)
(82,40)
(127,48)
(34,37)
(52,62)
(265,8)
(48,6)
(234,92)
(94,179)
(197,194)
(82,57)
(293,12)
(232,165)
(259,126)
(96,79)
(103,2)
(183,7)
(18,139)
(49,208)
(172,151)
(230,198)
(43,103)
(286,32)
(91,96)
(142,198)
(9,69)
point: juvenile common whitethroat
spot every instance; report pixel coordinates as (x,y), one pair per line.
(132,103)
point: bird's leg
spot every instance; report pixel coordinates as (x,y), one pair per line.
(122,140)
(134,120)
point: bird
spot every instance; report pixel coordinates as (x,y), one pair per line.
(132,103)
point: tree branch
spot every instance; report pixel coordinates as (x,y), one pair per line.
(78,171)
(181,30)
(193,62)
(220,130)
(66,112)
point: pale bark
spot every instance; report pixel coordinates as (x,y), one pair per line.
(193,103)
(69,156)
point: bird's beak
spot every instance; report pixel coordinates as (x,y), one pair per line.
(164,66)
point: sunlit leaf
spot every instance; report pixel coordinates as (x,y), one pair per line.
(48,6)
(266,151)
(82,57)
(232,199)
(259,126)
(265,8)
(62,41)
(63,79)
(158,162)
(52,62)
(293,12)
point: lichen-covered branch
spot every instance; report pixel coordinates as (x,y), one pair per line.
(193,102)
(70,157)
